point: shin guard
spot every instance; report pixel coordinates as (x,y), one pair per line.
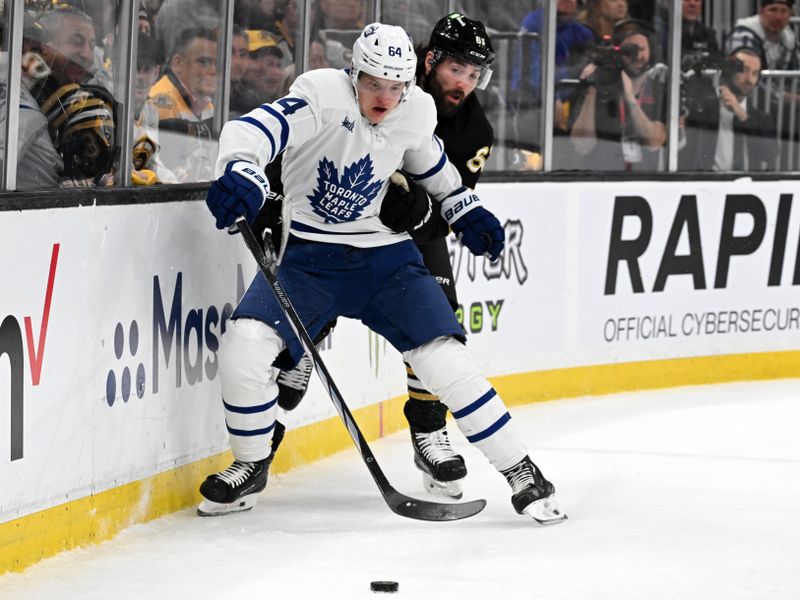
(249,391)
(447,368)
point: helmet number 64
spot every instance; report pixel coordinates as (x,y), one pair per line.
(395,51)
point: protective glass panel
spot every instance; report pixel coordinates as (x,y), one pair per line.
(416,17)
(614,118)
(512,98)
(177,89)
(739,98)
(335,26)
(4,67)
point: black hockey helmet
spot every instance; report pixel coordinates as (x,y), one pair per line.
(464,39)
(82,127)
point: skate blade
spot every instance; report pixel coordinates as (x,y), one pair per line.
(445,489)
(207,508)
(545,511)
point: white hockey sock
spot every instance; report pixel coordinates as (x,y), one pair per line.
(447,368)
(249,391)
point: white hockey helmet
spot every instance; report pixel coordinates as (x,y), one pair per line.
(386,52)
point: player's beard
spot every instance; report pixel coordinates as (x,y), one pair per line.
(443,106)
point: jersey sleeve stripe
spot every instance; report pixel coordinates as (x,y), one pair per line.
(284,125)
(265,131)
(431,172)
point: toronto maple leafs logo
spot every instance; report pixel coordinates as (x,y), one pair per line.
(341,200)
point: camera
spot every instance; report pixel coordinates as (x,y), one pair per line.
(609,60)
(709,64)
(700,72)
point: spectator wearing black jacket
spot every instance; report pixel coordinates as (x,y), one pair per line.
(724,131)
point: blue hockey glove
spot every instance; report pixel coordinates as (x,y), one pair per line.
(477,228)
(239,192)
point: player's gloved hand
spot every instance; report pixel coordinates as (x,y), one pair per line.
(477,228)
(239,192)
(406,206)
(273,217)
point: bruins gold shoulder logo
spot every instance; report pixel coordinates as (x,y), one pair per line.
(163,101)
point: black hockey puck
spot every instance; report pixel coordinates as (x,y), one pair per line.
(384,586)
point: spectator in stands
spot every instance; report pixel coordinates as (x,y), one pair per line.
(602,15)
(621,122)
(70,33)
(695,36)
(174,16)
(263,73)
(183,99)
(317,59)
(769,33)
(338,23)
(339,14)
(572,39)
(39,165)
(80,115)
(288,26)
(267,16)
(698,42)
(147,167)
(243,96)
(262,15)
(724,131)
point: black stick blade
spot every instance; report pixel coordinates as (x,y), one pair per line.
(423,510)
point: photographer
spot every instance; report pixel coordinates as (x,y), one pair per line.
(724,131)
(621,123)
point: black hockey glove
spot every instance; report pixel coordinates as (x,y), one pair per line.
(273,217)
(406,206)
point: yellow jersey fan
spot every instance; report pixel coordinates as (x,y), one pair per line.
(81,120)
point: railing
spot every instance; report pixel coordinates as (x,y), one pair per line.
(779,95)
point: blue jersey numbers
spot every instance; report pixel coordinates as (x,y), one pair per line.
(291,105)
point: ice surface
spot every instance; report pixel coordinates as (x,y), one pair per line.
(690,493)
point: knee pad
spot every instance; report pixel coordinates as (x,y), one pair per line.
(246,352)
(249,392)
(447,369)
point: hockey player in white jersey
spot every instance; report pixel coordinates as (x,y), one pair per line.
(343,136)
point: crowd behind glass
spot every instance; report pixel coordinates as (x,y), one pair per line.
(605,97)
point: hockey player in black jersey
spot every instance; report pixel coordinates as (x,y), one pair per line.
(456,61)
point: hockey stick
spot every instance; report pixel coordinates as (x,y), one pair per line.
(399,503)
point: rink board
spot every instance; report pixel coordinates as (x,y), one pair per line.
(111,317)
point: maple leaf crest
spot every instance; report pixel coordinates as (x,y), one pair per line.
(339,200)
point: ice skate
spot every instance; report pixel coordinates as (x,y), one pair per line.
(236,488)
(442,469)
(533,495)
(292,384)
